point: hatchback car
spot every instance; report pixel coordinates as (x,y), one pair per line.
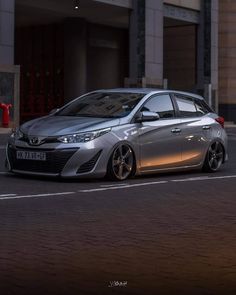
(120,133)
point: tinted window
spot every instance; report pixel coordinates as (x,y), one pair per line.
(201,109)
(186,106)
(161,104)
(102,105)
(206,107)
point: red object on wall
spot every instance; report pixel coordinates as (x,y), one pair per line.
(6,114)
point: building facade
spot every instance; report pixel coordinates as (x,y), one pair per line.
(227,59)
(68,47)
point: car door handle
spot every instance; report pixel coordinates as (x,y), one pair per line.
(176,130)
(206,127)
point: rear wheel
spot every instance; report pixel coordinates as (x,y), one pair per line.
(214,157)
(121,163)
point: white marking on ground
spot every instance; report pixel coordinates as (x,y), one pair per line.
(114,187)
(201,178)
(7,195)
(121,187)
(191,179)
(36,196)
(204,178)
(115,184)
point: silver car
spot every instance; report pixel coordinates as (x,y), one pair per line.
(120,133)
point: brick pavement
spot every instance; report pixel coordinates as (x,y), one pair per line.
(177,240)
(174,239)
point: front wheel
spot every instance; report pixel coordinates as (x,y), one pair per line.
(214,157)
(121,163)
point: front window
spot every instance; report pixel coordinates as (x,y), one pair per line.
(102,105)
(160,104)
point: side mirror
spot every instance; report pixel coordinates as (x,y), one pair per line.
(147,116)
(53,111)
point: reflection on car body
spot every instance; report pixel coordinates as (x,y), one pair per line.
(120,133)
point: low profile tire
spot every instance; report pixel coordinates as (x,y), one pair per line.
(121,164)
(214,157)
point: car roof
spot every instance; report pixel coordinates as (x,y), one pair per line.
(148,91)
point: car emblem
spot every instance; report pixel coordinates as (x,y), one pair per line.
(35,141)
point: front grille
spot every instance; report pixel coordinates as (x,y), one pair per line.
(43,140)
(88,166)
(55,160)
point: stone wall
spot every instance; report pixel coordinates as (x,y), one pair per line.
(7,23)
(227,59)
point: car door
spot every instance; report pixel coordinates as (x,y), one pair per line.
(192,135)
(159,140)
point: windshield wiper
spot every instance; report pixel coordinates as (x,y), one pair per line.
(89,116)
(95,116)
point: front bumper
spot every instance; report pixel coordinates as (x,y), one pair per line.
(71,162)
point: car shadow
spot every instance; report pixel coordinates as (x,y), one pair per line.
(151,177)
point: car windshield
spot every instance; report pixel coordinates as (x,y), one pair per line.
(102,105)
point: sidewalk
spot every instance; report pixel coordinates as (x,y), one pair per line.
(4,134)
(5,130)
(230,129)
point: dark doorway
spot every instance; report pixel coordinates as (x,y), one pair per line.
(39,52)
(108,57)
(180,56)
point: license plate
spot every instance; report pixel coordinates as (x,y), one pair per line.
(26,155)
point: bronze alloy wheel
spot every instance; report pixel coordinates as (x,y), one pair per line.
(214,158)
(121,162)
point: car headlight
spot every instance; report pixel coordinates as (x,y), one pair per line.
(83,137)
(17,134)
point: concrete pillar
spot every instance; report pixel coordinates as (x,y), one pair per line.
(75,62)
(154,42)
(7,17)
(214,52)
(207,52)
(146,44)
(137,43)
(200,50)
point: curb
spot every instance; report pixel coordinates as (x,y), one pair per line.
(230,126)
(4,138)
(4,131)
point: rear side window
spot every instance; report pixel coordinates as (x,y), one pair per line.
(202,107)
(186,106)
(160,104)
(206,107)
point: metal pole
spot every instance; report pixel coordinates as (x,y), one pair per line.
(210,94)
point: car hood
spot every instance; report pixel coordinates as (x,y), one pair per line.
(62,125)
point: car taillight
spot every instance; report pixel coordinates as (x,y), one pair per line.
(221,121)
